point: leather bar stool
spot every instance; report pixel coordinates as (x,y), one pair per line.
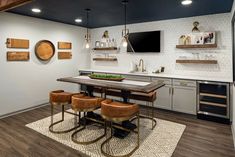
(117,112)
(86,104)
(148,97)
(60,98)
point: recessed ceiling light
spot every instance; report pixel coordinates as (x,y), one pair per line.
(36,10)
(186,2)
(78,20)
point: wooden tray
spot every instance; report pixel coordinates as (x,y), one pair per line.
(44,50)
(107,79)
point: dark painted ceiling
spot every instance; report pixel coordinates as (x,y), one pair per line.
(111,12)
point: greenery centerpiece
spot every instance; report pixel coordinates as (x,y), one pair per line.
(109,77)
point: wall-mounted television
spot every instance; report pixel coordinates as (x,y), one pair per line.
(144,42)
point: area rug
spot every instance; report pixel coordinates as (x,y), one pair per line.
(160,142)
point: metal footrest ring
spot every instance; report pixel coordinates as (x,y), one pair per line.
(74,135)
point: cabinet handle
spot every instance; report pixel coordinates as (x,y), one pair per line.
(172,91)
(183,84)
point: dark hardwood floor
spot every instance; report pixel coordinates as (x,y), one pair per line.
(200,139)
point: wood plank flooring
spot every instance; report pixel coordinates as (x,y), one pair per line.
(200,139)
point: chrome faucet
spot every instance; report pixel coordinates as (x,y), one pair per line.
(141,65)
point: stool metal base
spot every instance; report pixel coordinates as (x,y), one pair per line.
(60,121)
(154,122)
(108,140)
(74,135)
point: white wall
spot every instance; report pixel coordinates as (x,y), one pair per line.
(26,84)
(171,31)
(233,112)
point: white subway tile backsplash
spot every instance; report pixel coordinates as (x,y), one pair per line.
(171,31)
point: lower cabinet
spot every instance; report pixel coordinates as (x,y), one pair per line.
(177,95)
(164,98)
(184,99)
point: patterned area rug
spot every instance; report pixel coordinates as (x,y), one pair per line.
(160,142)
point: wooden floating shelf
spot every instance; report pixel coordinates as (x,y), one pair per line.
(187,61)
(106,49)
(196,46)
(10,4)
(104,59)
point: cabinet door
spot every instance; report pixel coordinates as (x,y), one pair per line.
(164,98)
(184,99)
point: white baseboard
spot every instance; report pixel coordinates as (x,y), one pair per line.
(24,110)
(233,132)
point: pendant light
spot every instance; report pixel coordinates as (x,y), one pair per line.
(88,36)
(125,31)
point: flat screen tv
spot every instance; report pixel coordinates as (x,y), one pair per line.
(144,42)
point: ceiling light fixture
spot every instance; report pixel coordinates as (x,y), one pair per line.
(125,31)
(88,36)
(186,2)
(78,20)
(36,10)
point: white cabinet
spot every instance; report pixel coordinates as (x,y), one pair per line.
(164,94)
(184,99)
(184,95)
(164,98)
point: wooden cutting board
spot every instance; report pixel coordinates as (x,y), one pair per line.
(44,50)
(17,43)
(64,45)
(17,56)
(64,55)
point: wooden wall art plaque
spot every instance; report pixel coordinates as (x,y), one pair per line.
(18,56)
(17,43)
(9,4)
(64,55)
(44,50)
(64,45)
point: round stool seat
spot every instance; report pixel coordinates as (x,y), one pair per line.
(60,97)
(85,103)
(117,111)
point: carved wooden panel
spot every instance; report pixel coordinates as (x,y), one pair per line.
(64,55)
(9,4)
(64,45)
(18,56)
(17,43)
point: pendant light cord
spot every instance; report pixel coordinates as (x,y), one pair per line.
(87,23)
(125,15)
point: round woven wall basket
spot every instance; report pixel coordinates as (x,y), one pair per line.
(44,50)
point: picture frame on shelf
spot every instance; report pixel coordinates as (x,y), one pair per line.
(201,38)
(197,38)
(209,37)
